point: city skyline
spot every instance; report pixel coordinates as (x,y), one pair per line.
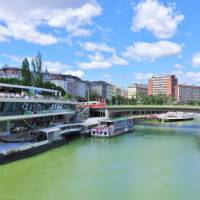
(84,38)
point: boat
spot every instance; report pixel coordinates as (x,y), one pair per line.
(113,127)
(175,116)
(32,123)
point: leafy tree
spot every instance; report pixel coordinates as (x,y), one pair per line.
(80,99)
(49,85)
(10,81)
(25,73)
(67,96)
(93,96)
(37,70)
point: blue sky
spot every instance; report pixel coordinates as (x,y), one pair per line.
(120,41)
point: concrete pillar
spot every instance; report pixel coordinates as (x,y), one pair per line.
(107,113)
(8,127)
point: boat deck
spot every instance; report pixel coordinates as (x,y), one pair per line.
(7,147)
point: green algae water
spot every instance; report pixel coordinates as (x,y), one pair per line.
(152,163)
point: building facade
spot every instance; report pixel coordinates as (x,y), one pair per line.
(102,89)
(165,85)
(187,93)
(10,72)
(109,91)
(124,93)
(57,79)
(135,89)
(82,88)
(116,91)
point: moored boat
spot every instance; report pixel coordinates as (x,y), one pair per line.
(110,128)
(175,116)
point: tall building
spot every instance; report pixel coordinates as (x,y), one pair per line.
(82,88)
(187,93)
(109,91)
(102,89)
(162,85)
(72,84)
(124,92)
(135,89)
(116,91)
(57,79)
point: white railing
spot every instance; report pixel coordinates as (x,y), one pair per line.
(25,147)
(18,96)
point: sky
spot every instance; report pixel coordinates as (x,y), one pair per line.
(122,41)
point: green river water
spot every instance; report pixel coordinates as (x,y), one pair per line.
(152,163)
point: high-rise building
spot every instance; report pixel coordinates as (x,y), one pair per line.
(72,84)
(162,85)
(187,93)
(116,91)
(124,92)
(102,89)
(82,88)
(135,89)
(57,79)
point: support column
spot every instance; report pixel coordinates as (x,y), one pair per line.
(8,127)
(107,114)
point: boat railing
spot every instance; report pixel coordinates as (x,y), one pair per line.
(35,97)
(25,147)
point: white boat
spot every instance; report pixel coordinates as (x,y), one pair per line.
(110,128)
(175,116)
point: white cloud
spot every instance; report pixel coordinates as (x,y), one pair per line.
(178,66)
(55,67)
(24,19)
(196,60)
(151,51)
(189,77)
(143,76)
(12,57)
(98,61)
(107,78)
(154,16)
(77,73)
(91,46)
(116,60)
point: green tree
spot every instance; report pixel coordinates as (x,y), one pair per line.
(49,85)
(25,73)
(37,70)
(93,96)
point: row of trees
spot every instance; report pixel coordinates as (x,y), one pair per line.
(142,99)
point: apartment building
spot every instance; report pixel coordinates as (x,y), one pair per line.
(162,85)
(135,89)
(10,72)
(102,89)
(187,93)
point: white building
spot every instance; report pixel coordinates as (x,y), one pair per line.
(58,80)
(187,93)
(135,89)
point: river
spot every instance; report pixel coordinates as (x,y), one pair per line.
(152,163)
